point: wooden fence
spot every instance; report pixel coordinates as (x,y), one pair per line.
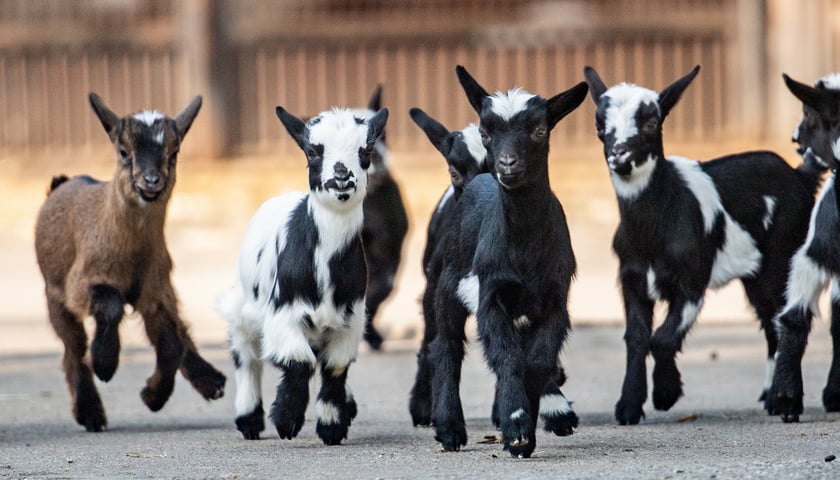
(246,56)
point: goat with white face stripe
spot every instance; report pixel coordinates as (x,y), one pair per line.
(687,226)
(818,260)
(299,298)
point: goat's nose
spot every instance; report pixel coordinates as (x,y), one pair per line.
(619,150)
(508,159)
(151,179)
(341,173)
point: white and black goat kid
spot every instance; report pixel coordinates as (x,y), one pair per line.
(687,226)
(299,296)
(509,260)
(465,155)
(818,260)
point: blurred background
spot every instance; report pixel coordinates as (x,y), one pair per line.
(246,56)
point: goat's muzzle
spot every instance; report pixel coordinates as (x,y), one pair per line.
(150,186)
(620,161)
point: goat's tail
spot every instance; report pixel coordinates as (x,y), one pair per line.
(56,182)
(811,174)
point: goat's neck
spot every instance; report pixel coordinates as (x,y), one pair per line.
(527,208)
(336,227)
(140,220)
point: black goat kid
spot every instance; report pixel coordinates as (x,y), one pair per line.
(688,226)
(509,259)
(818,260)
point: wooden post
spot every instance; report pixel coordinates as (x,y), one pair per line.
(210,68)
(748,69)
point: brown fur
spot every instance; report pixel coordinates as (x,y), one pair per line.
(101,245)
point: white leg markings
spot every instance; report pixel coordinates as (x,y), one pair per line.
(555,404)
(468,289)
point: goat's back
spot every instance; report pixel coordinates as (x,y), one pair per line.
(756,181)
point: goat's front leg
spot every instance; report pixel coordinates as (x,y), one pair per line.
(807,282)
(285,344)
(666,342)
(639,312)
(246,351)
(335,406)
(556,410)
(87,405)
(514,406)
(831,392)
(107,309)
(163,327)
(420,398)
(447,354)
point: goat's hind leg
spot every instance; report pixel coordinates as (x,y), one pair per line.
(163,327)
(831,392)
(767,298)
(87,405)
(204,377)
(420,398)
(107,308)
(245,350)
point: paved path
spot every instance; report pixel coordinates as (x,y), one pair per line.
(716,431)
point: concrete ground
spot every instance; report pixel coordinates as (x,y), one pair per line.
(716,431)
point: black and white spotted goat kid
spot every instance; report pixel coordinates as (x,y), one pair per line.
(509,260)
(818,260)
(299,297)
(465,155)
(688,226)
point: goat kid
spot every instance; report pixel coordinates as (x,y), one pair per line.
(100,246)
(818,260)
(465,157)
(688,226)
(508,259)
(384,229)
(299,297)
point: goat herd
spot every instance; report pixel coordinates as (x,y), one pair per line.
(314,267)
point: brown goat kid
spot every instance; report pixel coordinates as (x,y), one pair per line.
(100,246)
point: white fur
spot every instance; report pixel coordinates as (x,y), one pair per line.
(149,117)
(630,186)
(831,81)
(555,404)
(327,413)
(806,282)
(769,369)
(342,137)
(653,292)
(507,104)
(446,196)
(689,315)
(702,186)
(625,100)
(835,290)
(738,257)
(517,414)
(521,322)
(468,289)
(472,139)
(770,203)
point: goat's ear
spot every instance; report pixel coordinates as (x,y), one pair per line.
(564,103)
(671,94)
(108,118)
(805,93)
(375,102)
(434,130)
(596,85)
(376,125)
(185,117)
(294,126)
(475,92)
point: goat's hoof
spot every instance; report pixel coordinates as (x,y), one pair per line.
(452,438)
(628,414)
(373,338)
(350,411)
(287,425)
(788,407)
(211,385)
(332,433)
(155,398)
(560,424)
(831,400)
(518,434)
(105,355)
(92,418)
(252,424)
(420,407)
(664,397)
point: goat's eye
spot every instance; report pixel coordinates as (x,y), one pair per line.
(485,137)
(651,126)
(124,157)
(311,154)
(539,133)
